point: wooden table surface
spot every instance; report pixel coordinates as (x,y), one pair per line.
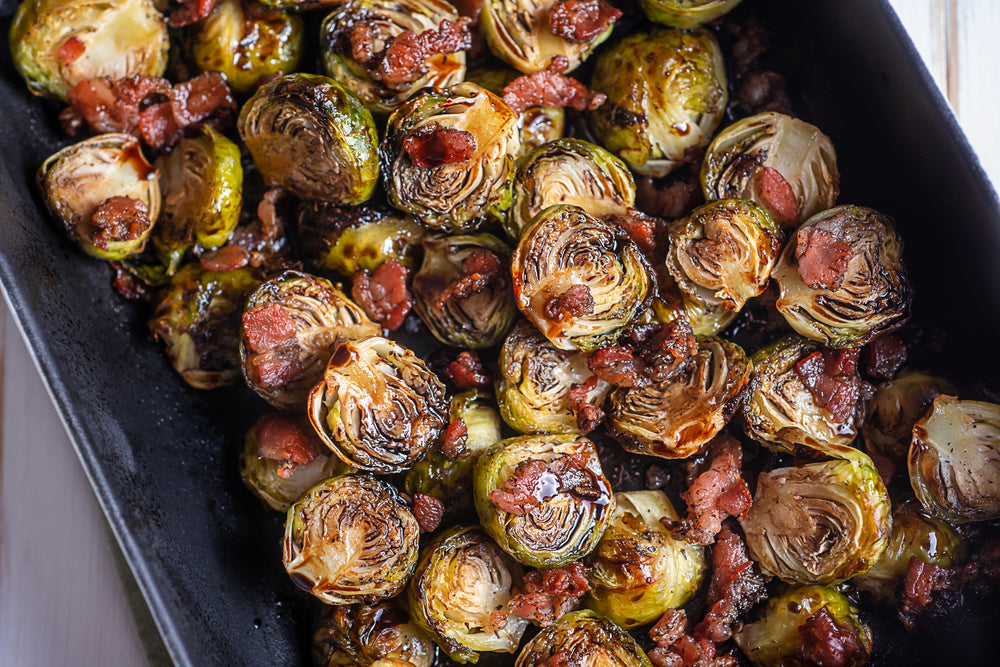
(61,601)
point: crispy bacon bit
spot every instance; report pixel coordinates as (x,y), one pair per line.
(580,21)
(929,592)
(119,219)
(190,11)
(619,366)
(884,356)
(467,371)
(226,258)
(404,58)
(825,643)
(267,326)
(822,257)
(456,437)
(535,481)
(716,494)
(641,228)
(498,619)
(830,376)
(588,415)
(675,647)
(577,301)
(548,594)
(128,285)
(70,50)
(659,352)
(428,510)
(778,196)
(282,438)
(383,294)
(480,269)
(558,659)
(550,88)
(435,146)
(264,238)
(470,8)
(736,587)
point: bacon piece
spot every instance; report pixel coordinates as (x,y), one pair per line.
(558,659)
(659,352)
(588,415)
(467,371)
(456,437)
(577,301)
(822,257)
(226,258)
(548,594)
(641,228)
(580,21)
(619,366)
(119,219)
(534,481)
(736,587)
(480,269)
(825,643)
(436,145)
(404,57)
(267,326)
(777,195)
(830,376)
(190,11)
(275,367)
(70,50)
(284,439)
(383,294)
(265,239)
(550,88)
(128,285)
(929,592)
(675,647)
(884,356)
(715,494)
(428,511)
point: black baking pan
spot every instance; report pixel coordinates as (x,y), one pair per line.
(162,457)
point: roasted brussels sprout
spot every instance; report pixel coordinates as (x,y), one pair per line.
(585,639)
(954,460)
(820,523)
(638,570)
(56,44)
(537,125)
(283,457)
(83,184)
(666,93)
(895,408)
(351,539)
(448,156)
(202,182)
(534,382)
(782,163)
(378,407)
(781,411)
(841,277)
(386,19)
(675,419)
(569,171)
(312,136)
(447,301)
(579,279)
(198,318)
(686,13)
(289,325)
(462,579)
(523,34)
(723,253)
(247,42)
(369,635)
(544,499)
(797,626)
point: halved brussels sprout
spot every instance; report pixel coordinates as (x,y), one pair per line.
(462,581)
(841,277)
(569,171)
(82,179)
(448,156)
(686,13)
(782,163)
(386,19)
(247,42)
(203,195)
(534,381)
(198,318)
(670,303)
(666,93)
(638,570)
(56,44)
(521,33)
(820,523)
(954,460)
(312,136)
(378,407)
(460,317)
(544,499)
(370,635)
(536,125)
(579,279)
(895,408)
(588,639)
(723,252)
(779,409)
(351,539)
(675,419)
(290,324)
(802,625)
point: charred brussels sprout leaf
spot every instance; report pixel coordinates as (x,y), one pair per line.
(675,419)
(656,111)
(841,277)
(461,587)
(247,42)
(378,407)
(544,499)
(312,136)
(579,279)
(445,185)
(198,320)
(289,325)
(536,125)
(895,408)
(351,539)
(686,13)
(56,44)
(569,171)
(370,634)
(795,627)
(954,460)
(638,570)
(203,195)
(782,163)
(587,640)
(79,180)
